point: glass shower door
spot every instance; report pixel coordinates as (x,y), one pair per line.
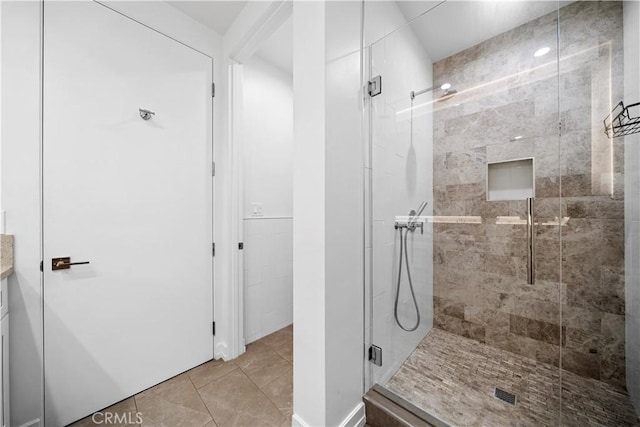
(599,50)
(401,156)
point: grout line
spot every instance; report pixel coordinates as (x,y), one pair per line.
(276,378)
(202,400)
(217,378)
(264,394)
(269,347)
(262,391)
(135,403)
(279,354)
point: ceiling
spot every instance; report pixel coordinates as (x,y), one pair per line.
(217,15)
(278,49)
(453,26)
(447,28)
(220,15)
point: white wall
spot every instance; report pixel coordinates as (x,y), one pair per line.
(401,178)
(328,212)
(268,276)
(344,204)
(267,139)
(267,149)
(20,172)
(309,388)
(20,146)
(632,203)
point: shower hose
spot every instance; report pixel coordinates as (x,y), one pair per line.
(403,252)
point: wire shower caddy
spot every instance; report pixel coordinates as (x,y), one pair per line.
(621,122)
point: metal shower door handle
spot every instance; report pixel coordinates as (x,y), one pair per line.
(531,245)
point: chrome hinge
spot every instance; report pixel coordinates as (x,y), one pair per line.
(214,328)
(375,86)
(213,168)
(213,249)
(213,90)
(41,265)
(375,355)
(241,245)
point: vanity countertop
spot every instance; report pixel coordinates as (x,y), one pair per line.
(6,255)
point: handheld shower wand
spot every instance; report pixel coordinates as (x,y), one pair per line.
(411,225)
(415,215)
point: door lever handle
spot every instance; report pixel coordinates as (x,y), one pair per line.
(64,263)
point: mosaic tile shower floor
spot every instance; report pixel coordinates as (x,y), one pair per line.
(454,378)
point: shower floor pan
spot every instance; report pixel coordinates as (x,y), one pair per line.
(455,379)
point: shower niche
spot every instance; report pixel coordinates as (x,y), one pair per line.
(510,180)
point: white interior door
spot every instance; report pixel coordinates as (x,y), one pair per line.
(131,196)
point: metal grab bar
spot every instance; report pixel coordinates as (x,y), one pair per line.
(531,245)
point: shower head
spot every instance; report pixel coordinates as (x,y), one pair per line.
(446,87)
(448,94)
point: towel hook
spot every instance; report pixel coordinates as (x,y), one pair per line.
(146,114)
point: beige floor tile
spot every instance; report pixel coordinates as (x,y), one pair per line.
(286,422)
(279,339)
(265,368)
(172,403)
(124,411)
(234,400)
(288,413)
(286,351)
(176,402)
(281,342)
(280,391)
(253,352)
(127,405)
(207,372)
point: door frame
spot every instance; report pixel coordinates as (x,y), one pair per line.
(212,215)
(269,19)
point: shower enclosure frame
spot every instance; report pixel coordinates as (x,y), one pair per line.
(560,158)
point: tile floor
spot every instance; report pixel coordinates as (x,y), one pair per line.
(454,378)
(256,389)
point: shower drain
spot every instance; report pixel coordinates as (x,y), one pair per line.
(505,396)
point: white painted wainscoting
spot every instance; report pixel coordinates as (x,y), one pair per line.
(268,275)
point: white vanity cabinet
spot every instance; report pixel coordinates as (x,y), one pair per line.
(4,356)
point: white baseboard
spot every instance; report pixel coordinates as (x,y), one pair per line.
(32,423)
(355,419)
(221,351)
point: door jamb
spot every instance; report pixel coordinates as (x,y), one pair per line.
(264,26)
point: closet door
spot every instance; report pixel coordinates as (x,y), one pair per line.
(128,283)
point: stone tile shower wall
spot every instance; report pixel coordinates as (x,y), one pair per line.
(576,307)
